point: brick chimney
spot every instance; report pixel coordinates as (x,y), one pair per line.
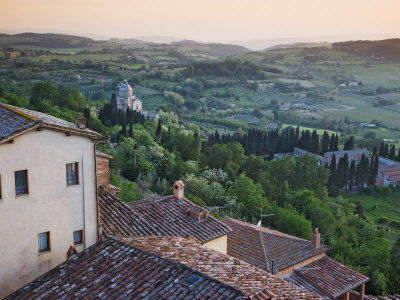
(179,188)
(102,168)
(315,238)
(80,121)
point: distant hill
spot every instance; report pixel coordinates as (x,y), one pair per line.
(213,49)
(45,40)
(387,49)
(52,41)
(297,45)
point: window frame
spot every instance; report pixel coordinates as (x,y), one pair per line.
(48,249)
(76,165)
(26,192)
(80,242)
(0,189)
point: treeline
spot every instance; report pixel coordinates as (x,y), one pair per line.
(348,175)
(229,68)
(389,151)
(268,143)
(389,49)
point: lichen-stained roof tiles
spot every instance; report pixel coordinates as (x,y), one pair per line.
(327,277)
(264,248)
(171,216)
(113,270)
(232,271)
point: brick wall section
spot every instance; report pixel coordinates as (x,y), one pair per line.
(103,168)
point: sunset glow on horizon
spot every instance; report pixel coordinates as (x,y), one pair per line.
(217,20)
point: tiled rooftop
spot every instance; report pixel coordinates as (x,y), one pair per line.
(172,218)
(234,272)
(113,270)
(117,218)
(265,247)
(12,123)
(327,277)
(16,119)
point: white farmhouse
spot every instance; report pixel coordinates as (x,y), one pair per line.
(48,193)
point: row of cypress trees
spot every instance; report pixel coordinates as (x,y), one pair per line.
(268,143)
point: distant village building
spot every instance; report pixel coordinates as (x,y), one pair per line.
(76,77)
(388,172)
(284,106)
(48,194)
(126,99)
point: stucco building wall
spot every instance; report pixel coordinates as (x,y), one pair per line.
(219,244)
(51,205)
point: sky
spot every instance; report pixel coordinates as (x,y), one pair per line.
(206,20)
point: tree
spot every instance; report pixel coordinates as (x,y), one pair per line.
(250,195)
(352,174)
(158,130)
(392,152)
(349,144)
(324,143)
(43,91)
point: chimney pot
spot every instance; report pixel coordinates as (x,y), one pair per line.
(316,238)
(80,121)
(179,187)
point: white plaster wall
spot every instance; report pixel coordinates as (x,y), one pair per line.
(50,206)
(219,244)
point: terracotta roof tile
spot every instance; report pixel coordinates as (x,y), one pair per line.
(327,277)
(113,270)
(172,218)
(234,272)
(117,218)
(265,247)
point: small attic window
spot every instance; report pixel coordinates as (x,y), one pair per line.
(198,213)
(192,279)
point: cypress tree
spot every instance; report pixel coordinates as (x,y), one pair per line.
(332,143)
(336,143)
(130,131)
(314,142)
(349,144)
(352,174)
(382,150)
(158,130)
(386,152)
(398,155)
(324,143)
(392,152)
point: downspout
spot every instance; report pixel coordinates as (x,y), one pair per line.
(83,204)
(96,189)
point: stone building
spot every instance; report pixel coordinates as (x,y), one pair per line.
(126,99)
(47,193)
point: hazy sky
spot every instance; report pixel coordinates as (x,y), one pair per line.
(205,20)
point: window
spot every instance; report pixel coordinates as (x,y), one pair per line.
(78,237)
(44,241)
(21,182)
(72,173)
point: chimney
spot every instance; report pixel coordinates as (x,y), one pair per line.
(103,169)
(315,238)
(179,189)
(80,121)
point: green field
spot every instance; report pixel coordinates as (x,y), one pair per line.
(382,210)
(319,131)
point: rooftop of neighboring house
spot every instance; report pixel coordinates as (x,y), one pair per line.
(254,282)
(16,120)
(117,218)
(327,277)
(180,217)
(265,248)
(111,269)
